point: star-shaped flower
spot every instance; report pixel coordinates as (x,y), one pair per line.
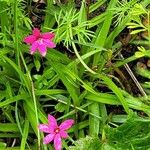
(40,41)
(55,132)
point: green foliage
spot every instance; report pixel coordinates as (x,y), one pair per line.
(88,143)
(132,134)
(78,83)
(145,73)
(137,25)
(69,28)
(123,9)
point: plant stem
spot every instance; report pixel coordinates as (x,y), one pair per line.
(80,59)
(34,98)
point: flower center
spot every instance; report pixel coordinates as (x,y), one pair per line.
(57,130)
(40,41)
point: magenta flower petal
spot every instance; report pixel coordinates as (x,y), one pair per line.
(49,43)
(30,39)
(47,35)
(52,122)
(57,142)
(42,50)
(48,138)
(44,128)
(34,47)
(36,32)
(66,124)
(63,134)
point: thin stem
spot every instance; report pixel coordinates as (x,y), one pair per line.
(34,98)
(80,59)
(81,108)
(134,78)
(16,31)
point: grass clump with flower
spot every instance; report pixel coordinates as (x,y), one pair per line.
(74,75)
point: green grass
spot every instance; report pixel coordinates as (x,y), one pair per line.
(77,79)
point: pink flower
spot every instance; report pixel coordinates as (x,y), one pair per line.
(40,41)
(55,132)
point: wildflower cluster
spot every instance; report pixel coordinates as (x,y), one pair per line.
(40,41)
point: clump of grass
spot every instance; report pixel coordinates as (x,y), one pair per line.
(84,86)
